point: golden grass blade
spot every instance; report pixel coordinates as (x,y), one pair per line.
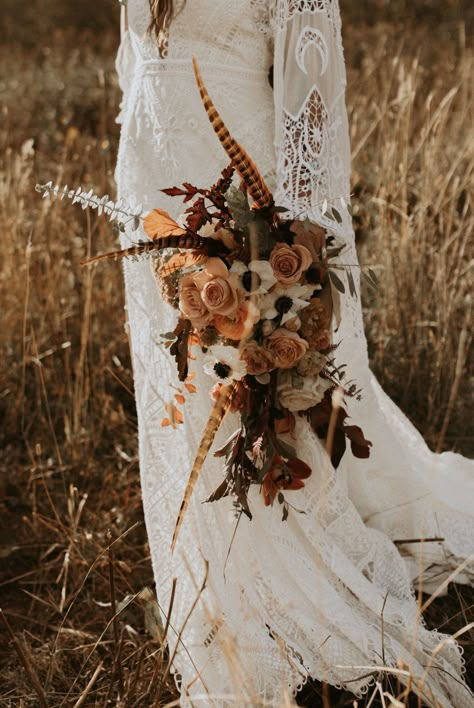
(216,417)
(246,168)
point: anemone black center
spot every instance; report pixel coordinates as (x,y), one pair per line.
(251,281)
(283,304)
(222,370)
(313,275)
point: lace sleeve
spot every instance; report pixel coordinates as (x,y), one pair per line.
(312,142)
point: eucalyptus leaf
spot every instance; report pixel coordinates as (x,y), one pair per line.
(337,282)
(337,216)
(350,280)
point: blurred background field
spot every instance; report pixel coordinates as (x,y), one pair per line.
(68,465)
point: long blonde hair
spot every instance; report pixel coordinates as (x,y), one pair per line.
(162,12)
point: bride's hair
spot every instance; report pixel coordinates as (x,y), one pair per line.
(162,12)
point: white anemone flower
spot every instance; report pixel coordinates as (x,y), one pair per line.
(257,277)
(224,364)
(286,302)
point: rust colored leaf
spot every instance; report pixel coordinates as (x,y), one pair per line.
(159,223)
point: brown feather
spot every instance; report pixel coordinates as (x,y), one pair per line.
(216,417)
(187,241)
(246,168)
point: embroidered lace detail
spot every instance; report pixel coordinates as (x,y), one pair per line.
(305,597)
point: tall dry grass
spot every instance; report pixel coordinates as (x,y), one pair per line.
(72,541)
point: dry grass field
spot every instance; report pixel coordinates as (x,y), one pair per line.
(74,559)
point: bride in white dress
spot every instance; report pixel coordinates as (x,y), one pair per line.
(326,594)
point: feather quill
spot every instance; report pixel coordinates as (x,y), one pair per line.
(244,165)
(186,241)
(216,417)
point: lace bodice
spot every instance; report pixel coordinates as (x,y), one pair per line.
(305,597)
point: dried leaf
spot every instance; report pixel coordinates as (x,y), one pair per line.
(216,417)
(187,259)
(175,417)
(191,388)
(337,282)
(221,491)
(179,348)
(180,398)
(350,280)
(158,223)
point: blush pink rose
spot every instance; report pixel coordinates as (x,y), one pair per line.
(219,288)
(191,304)
(286,347)
(289,262)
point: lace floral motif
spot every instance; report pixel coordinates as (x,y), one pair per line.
(305,597)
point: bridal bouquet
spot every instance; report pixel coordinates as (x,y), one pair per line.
(252,290)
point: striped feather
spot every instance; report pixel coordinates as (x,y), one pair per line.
(216,417)
(246,168)
(187,241)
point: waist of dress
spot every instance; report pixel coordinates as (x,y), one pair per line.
(209,70)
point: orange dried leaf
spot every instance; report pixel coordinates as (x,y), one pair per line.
(175,415)
(181,260)
(180,398)
(191,388)
(191,376)
(165,422)
(159,223)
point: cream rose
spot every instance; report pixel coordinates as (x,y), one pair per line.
(289,262)
(259,360)
(286,347)
(191,304)
(296,393)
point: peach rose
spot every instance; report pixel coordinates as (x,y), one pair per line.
(218,288)
(241,325)
(259,360)
(289,262)
(286,347)
(191,304)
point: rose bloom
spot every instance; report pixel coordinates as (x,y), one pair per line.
(286,347)
(241,325)
(259,360)
(218,288)
(289,262)
(299,398)
(191,304)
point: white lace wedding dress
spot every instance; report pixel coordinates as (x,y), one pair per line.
(325,594)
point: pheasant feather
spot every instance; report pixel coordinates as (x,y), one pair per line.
(216,417)
(185,241)
(246,168)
